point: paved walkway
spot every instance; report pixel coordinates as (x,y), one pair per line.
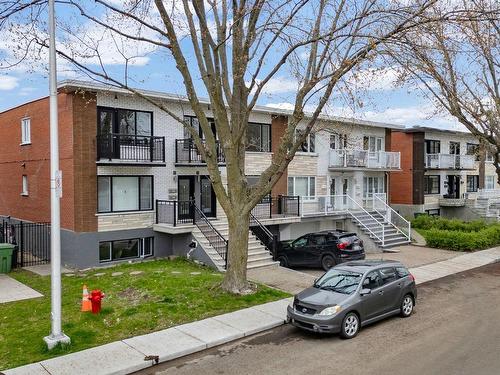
(12,290)
(282,278)
(126,356)
(44,269)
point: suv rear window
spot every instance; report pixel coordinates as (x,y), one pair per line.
(350,238)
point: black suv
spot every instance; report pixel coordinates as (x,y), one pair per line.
(324,249)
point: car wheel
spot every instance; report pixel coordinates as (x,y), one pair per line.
(350,326)
(327,262)
(407,306)
(283,261)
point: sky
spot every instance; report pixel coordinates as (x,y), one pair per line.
(381,97)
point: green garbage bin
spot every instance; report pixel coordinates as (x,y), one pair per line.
(6,250)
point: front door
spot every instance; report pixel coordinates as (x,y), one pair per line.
(453,186)
(207,197)
(185,196)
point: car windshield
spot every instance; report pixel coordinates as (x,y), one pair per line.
(340,281)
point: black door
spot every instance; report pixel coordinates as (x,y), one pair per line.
(207,197)
(185,197)
(453,186)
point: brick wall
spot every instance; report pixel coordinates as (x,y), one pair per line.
(401,183)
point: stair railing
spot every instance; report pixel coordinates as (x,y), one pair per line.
(264,235)
(390,214)
(355,215)
(216,240)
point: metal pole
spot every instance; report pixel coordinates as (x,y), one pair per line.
(56,336)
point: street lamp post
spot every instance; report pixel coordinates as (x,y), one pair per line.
(56,335)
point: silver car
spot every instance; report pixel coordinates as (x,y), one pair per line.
(352,295)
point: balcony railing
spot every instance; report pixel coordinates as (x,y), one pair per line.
(187,153)
(449,161)
(365,159)
(131,148)
(281,206)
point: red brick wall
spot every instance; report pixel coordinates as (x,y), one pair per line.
(34,161)
(401,183)
(278,128)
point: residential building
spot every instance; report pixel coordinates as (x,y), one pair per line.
(134,185)
(444,172)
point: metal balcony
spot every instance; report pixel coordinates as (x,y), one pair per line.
(363,159)
(130,149)
(186,153)
(449,161)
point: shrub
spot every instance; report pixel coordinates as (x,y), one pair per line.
(436,222)
(463,240)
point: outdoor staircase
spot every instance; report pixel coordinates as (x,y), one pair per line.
(258,255)
(371,222)
(485,208)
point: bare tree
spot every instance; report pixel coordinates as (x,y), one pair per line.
(237,48)
(457,63)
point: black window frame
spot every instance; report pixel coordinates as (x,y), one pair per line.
(456,145)
(115,125)
(472,180)
(473,149)
(387,280)
(142,241)
(260,147)
(139,190)
(432,146)
(433,212)
(426,184)
(306,145)
(190,119)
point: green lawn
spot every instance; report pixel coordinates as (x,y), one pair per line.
(164,295)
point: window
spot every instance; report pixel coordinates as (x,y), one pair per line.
(372,185)
(25,185)
(259,137)
(125,249)
(193,122)
(433,212)
(473,149)
(388,275)
(402,271)
(432,147)
(432,184)
(454,148)
(372,280)
(489,157)
(125,121)
(124,193)
(309,145)
(318,239)
(338,141)
(472,183)
(301,242)
(303,186)
(489,182)
(25,131)
(372,144)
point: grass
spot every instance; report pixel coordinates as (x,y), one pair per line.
(134,305)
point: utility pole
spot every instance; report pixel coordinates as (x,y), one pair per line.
(56,335)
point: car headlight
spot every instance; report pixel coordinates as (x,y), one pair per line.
(292,303)
(332,310)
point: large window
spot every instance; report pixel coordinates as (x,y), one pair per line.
(258,137)
(125,121)
(489,182)
(303,186)
(124,193)
(125,249)
(472,183)
(432,184)
(309,145)
(25,131)
(193,122)
(372,144)
(338,141)
(454,148)
(432,147)
(473,149)
(372,185)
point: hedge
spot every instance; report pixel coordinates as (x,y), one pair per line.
(437,222)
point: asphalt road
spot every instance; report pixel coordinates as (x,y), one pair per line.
(455,330)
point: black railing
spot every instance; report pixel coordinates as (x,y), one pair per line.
(281,206)
(187,153)
(174,212)
(216,240)
(133,148)
(268,239)
(31,240)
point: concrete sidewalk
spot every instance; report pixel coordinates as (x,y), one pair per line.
(126,356)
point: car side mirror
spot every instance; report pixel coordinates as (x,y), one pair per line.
(365,291)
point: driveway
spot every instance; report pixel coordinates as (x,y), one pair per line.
(455,330)
(409,255)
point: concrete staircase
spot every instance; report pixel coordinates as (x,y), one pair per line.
(258,255)
(372,227)
(485,208)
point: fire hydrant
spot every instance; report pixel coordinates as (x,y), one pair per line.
(95,297)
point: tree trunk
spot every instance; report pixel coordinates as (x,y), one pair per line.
(235,280)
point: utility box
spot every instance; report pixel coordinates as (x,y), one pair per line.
(6,250)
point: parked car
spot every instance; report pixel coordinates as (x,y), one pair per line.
(321,249)
(352,295)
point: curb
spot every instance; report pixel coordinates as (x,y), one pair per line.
(140,352)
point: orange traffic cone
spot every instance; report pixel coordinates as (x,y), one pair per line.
(86,304)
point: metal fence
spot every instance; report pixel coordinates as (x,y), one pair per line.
(32,241)
(281,206)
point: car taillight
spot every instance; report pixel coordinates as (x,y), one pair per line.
(412,277)
(341,245)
